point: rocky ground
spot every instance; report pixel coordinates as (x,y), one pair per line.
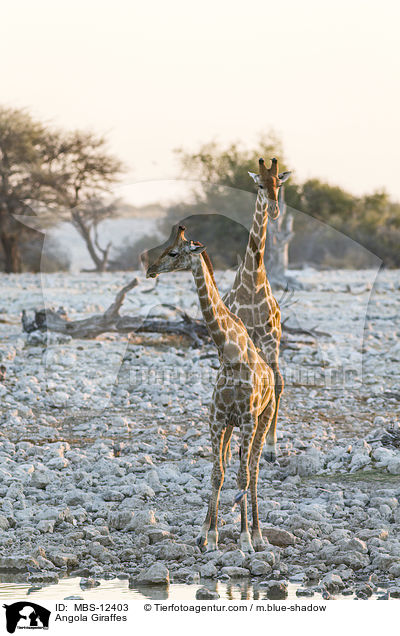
(105,453)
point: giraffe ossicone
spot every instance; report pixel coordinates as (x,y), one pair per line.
(243,395)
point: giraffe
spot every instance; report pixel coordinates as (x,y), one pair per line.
(251,298)
(243,395)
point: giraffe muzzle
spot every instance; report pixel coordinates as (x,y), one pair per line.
(150,274)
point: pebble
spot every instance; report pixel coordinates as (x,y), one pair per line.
(276,590)
(279,537)
(332,582)
(130,488)
(87,583)
(157,574)
(235,572)
(208,570)
(305,592)
(204,594)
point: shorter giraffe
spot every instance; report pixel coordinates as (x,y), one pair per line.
(243,394)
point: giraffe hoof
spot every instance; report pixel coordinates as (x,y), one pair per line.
(245,543)
(201,541)
(258,544)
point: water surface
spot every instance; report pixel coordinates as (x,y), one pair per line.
(117,589)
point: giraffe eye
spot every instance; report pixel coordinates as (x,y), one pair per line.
(173,254)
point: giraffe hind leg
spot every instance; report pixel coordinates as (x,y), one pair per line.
(209,534)
(270,453)
(226,456)
(256,450)
(226,446)
(248,427)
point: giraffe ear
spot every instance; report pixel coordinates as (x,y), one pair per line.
(255,177)
(284,176)
(197,249)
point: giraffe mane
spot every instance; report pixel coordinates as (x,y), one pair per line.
(207,261)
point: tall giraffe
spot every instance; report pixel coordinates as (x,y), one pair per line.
(251,298)
(243,395)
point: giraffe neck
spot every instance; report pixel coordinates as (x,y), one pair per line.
(259,226)
(254,257)
(215,313)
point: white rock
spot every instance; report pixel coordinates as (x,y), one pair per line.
(233,558)
(157,574)
(208,570)
(383,455)
(358,461)
(332,582)
(58,463)
(141,519)
(235,572)
(17,562)
(144,490)
(46,525)
(59,399)
(307,463)
(393,465)
(41,478)
(259,568)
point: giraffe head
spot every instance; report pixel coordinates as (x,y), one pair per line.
(269,181)
(177,256)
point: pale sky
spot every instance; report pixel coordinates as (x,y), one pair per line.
(155,75)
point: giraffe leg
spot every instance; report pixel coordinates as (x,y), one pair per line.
(270,443)
(226,446)
(245,540)
(209,533)
(258,442)
(247,426)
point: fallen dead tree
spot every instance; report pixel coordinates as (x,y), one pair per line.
(112,321)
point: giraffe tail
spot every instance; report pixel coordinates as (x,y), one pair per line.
(239,497)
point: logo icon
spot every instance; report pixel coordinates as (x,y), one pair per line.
(26,615)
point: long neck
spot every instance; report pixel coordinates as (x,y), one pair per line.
(215,313)
(254,257)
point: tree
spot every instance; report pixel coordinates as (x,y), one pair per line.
(372,222)
(279,235)
(25,157)
(320,223)
(222,190)
(65,173)
(229,167)
(86,220)
(81,173)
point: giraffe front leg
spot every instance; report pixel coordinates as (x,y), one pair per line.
(245,539)
(209,534)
